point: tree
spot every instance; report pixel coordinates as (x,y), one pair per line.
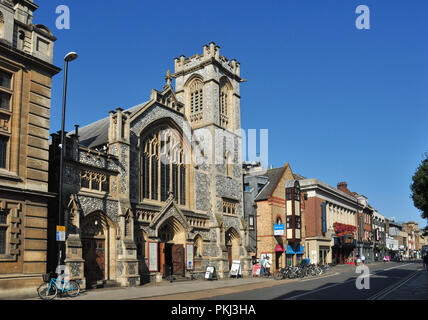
(419,188)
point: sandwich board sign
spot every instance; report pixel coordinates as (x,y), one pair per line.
(210,274)
(256,270)
(236,268)
(60,233)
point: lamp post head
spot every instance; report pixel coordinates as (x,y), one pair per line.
(71,56)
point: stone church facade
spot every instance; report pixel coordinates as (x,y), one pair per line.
(157,190)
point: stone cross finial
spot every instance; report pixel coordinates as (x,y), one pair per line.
(168,78)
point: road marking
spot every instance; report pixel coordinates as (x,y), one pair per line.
(407,264)
(383,293)
(337,284)
(330,275)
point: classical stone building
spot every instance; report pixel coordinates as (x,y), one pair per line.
(26,69)
(157,189)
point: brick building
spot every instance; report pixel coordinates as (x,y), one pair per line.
(330,223)
(365,243)
(26,69)
(277,209)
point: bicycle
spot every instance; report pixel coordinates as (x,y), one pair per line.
(49,289)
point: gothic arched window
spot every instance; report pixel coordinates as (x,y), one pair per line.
(196,97)
(225,105)
(163,166)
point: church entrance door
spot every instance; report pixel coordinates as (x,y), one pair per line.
(94,256)
(177,257)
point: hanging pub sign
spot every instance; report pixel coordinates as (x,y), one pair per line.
(153,257)
(189,257)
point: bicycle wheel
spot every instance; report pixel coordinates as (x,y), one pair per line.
(73,288)
(47,291)
(278,275)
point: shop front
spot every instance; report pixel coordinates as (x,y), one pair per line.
(343,251)
(294,254)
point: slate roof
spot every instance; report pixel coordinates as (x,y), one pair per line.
(273,175)
(96,133)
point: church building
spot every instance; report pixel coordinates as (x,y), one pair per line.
(156,191)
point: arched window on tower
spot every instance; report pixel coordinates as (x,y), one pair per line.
(225,105)
(196,94)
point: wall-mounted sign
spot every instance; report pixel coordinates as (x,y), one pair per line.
(189,257)
(278,229)
(153,256)
(60,233)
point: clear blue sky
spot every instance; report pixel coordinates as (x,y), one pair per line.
(340,104)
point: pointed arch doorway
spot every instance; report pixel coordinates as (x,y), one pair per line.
(172,236)
(98,239)
(232,241)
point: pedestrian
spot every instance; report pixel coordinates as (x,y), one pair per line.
(263,265)
(363,259)
(384,260)
(426,262)
(267,266)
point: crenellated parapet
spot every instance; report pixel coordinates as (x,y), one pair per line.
(211,53)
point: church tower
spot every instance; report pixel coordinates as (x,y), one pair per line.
(208,86)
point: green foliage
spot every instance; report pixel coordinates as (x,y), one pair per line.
(419,188)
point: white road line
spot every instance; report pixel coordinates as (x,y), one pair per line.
(407,264)
(395,288)
(326,276)
(337,284)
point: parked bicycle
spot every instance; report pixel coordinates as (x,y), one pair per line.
(52,286)
(300,271)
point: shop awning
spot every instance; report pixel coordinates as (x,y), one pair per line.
(279,248)
(290,250)
(300,250)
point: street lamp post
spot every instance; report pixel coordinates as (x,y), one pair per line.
(69,57)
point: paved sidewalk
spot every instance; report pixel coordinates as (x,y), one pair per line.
(167,288)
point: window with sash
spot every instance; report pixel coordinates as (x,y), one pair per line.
(3,231)
(5,116)
(3,151)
